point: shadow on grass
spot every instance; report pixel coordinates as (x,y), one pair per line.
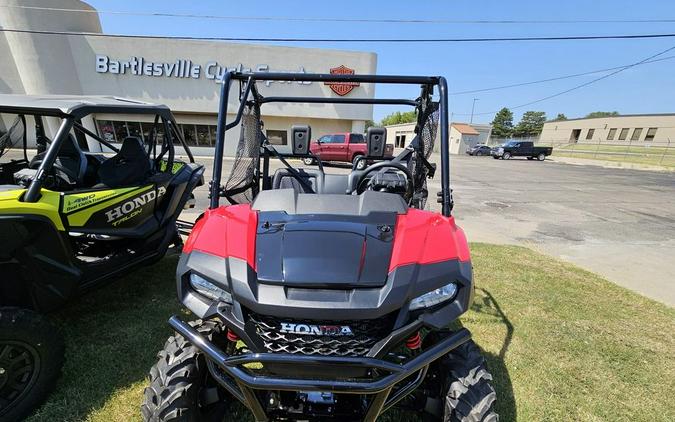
(506,403)
(112,337)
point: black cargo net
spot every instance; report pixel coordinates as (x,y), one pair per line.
(14,136)
(419,164)
(242,185)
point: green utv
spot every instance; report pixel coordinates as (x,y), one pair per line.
(71,220)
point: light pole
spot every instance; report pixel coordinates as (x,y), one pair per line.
(472,107)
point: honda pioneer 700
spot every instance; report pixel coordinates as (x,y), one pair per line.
(324,296)
(71,219)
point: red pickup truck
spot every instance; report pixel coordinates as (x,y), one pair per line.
(345,147)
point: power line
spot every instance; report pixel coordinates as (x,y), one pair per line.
(344,20)
(557,78)
(349,40)
(548,97)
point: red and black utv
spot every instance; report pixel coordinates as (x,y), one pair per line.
(324,296)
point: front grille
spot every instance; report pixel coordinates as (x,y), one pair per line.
(365,334)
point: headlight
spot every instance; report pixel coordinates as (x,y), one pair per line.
(434,297)
(208,289)
(501,150)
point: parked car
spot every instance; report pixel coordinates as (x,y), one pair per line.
(521,149)
(343,147)
(479,150)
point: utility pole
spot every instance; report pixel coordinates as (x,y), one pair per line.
(472,107)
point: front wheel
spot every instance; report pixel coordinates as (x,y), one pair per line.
(31,357)
(181,388)
(506,156)
(469,396)
(308,161)
(541,156)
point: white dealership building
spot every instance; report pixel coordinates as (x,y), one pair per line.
(183,74)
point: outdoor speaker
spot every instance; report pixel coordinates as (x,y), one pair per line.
(301,135)
(376,139)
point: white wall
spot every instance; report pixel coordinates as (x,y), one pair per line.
(560,132)
(56,64)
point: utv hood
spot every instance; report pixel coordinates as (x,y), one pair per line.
(324,251)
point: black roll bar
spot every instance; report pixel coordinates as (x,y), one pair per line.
(387,101)
(428,82)
(33,194)
(330,77)
(446,193)
(220,140)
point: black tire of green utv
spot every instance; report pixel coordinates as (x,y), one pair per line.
(176,380)
(469,394)
(31,333)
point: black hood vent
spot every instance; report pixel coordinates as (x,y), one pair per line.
(324,251)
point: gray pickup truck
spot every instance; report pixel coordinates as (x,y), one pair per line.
(520,149)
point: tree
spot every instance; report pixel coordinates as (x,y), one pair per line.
(530,124)
(602,114)
(502,124)
(397,117)
(369,123)
(560,116)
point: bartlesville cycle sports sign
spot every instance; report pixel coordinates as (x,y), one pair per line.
(184,68)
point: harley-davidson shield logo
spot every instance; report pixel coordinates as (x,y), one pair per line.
(342,88)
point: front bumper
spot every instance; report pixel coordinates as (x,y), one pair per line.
(231,373)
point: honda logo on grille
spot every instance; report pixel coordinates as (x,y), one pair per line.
(316,330)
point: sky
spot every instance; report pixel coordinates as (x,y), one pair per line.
(648,88)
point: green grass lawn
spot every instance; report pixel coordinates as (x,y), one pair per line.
(562,343)
(658,156)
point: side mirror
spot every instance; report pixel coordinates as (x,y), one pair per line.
(301,136)
(376,139)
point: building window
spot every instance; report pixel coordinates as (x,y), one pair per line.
(189,134)
(576,133)
(651,133)
(106,130)
(636,134)
(590,133)
(121,131)
(611,134)
(135,129)
(623,134)
(203,136)
(277,137)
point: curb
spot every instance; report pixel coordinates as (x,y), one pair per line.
(610,164)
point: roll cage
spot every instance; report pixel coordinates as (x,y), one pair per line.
(250,98)
(71,110)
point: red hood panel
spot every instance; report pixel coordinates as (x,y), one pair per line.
(226,232)
(424,237)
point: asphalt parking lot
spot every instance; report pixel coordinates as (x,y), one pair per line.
(615,222)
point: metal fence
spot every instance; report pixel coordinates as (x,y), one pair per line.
(629,151)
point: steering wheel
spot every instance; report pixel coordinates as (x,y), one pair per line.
(361,176)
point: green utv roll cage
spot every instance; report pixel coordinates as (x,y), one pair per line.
(71,219)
